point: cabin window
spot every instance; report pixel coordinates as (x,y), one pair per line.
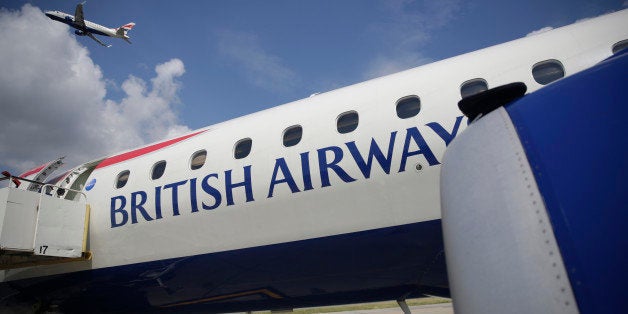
(408,107)
(198,159)
(620,46)
(122,179)
(292,135)
(158,170)
(347,122)
(242,148)
(547,71)
(472,87)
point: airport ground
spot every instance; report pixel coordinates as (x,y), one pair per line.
(431,305)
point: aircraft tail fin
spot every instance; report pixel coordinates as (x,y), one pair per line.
(122,31)
(126,27)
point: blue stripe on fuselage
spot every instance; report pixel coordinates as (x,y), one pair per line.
(373,265)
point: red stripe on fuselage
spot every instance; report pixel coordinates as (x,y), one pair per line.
(29,172)
(142,151)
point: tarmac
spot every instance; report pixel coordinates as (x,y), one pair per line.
(441,308)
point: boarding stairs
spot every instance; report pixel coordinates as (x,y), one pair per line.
(41,227)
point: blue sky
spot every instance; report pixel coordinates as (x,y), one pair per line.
(196,63)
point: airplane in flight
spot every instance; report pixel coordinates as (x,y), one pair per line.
(87,28)
(332,199)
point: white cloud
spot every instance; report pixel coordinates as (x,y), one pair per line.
(401,60)
(539,31)
(260,67)
(408,28)
(52,98)
(587,18)
(584,19)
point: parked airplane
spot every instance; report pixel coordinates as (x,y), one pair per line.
(327,200)
(87,28)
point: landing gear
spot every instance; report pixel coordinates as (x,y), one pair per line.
(404,306)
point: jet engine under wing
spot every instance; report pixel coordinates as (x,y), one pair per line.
(533,202)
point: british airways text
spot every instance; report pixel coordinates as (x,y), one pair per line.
(213,190)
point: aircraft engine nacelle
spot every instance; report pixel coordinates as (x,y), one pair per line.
(518,218)
(79,33)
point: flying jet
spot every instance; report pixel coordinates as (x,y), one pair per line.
(87,28)
(331,199)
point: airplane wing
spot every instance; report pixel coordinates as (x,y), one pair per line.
(78,16)
(96,39)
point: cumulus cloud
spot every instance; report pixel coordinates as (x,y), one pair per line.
(539,31)
(261,67)
(409,28)
(53,98)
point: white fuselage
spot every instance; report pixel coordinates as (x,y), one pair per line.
(90,27)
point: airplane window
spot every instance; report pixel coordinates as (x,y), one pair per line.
(198,159)
(408,107)
(472,87)
(158,170)
(620,46)
(347,122)
(292,135)
(547,71)
(242,148)
(123,178)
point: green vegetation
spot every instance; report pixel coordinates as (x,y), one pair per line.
(368,306)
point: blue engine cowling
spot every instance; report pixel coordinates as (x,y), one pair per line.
(533,200)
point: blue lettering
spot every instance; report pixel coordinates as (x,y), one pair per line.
(193,201)
(374,151)
(280,163)
(115,210)
(158,202)
(305,169)
(211,191)
(414,134)
(329,160)
(138,206)
(175,195)
(248,186)
(333,165)
(440,130)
